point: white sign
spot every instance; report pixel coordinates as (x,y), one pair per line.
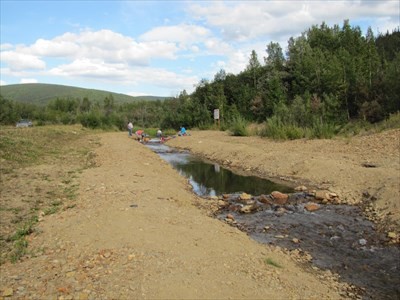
(216,114)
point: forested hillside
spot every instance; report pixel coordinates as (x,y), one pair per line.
(42,94)
(327,77)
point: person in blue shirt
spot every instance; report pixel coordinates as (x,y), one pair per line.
(182,131)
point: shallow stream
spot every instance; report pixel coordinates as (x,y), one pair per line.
(338,237)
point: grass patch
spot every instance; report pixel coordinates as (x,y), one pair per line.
(51,210)
(20,244)
(40,172)
(361,127)
(70,192)
(271,262)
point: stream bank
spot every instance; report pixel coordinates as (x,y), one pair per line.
(333,236)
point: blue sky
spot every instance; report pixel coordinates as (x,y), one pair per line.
(159,47)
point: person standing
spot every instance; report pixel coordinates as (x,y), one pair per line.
(130,128)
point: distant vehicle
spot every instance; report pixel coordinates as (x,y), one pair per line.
(24,123)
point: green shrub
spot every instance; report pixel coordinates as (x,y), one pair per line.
(238,127)
(274,129)
(393,121)
(323,130)
(293,132)
(90,120)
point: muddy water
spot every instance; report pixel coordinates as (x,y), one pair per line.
(338,237)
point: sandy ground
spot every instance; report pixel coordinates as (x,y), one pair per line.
(137,232)
(363,169)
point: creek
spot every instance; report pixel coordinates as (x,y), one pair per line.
(338,237)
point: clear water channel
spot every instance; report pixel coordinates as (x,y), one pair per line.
(338,237)
(210,179)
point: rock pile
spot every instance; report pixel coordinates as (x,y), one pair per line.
(280,202)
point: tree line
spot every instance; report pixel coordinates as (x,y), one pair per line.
(327,77)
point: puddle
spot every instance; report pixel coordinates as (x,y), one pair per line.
(338,237)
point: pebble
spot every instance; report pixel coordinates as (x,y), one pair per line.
(245,196)
(362,242)
(8,292)
(301,188)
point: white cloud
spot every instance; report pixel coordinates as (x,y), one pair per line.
(165,79)
(28,80)
(115,47)
(91,68)
(2,82)
(245,20)
(104,45)
(185,34)
(218,47)
(6,46)
(53,48)
(121,74)
(236,62)
(20,61)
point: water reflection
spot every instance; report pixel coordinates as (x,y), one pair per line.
(210,179)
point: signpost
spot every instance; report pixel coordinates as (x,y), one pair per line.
(216,116)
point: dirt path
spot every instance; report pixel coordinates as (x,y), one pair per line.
(362,169)
(136,234)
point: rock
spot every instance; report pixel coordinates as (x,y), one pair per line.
(392,235)
(296,241)
(234,207)
(230,217)
(311,206)
(264,199)
(226,196)
(247,209)
(245,196)
(362,242)
(280,211)
(222,203)
(63,290)
(279,198)
(70,274)
(8,292)
(321,195)
(83,296)
(213,198)
(301,188)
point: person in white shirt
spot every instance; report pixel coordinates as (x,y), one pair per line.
(130,127)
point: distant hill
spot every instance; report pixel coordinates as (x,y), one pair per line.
(41,93)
